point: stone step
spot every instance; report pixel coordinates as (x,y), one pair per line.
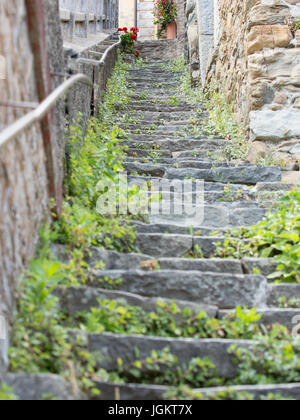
(117,261)
(142,152)
(147,78)
(159,93)
(154,138)
(159,108)
(277,291)
(157,127)
(145,84)
(208,186)
(110,391)
(203,148)
(195,163)
(213,265)
(113,346)
(223,290)
(144,228)
(175,245)
(242,175)
(207,215)
(29,387)
(74,300)
(158,116)
(273,316)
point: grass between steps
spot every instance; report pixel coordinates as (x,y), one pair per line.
(41,342)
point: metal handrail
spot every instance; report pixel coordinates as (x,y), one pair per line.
(102,61)
(37,115)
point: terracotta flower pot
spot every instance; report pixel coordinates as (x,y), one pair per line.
(172,30)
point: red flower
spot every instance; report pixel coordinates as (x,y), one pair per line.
(137,53)
(125,29)
(120,30)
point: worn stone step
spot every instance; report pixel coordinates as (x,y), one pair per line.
(158,127)
(148,106)
(266,266)
(110,391)
(145,84)
(208,186)
(146,228)
(79,299)
(273,316)
(242,175)
(213,265)
(157,116)
(176,145)
(117,261)
(156,138)
(216,216)
(145,153)
(113,346)
(144,169)
(223,290)
(277,291)
(30,387)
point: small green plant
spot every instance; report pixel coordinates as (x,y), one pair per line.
(274,360)
(162,368)
(284,303)
(168,320)
(277,237)
(297,24)
(6,393)
(185,393)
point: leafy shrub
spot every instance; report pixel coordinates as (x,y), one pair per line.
(185,393)
(277,236)
(168,320)
(162,368)
(6,394)
(274,360)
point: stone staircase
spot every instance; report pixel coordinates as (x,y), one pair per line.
(163,153)
(216,286)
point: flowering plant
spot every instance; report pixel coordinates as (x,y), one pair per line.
(165,12)
(128,40)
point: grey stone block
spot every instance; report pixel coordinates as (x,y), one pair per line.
(113,346)
(273,316)
(239,175)
(109,391)
(34,387)
(164,245)
(223,290)
(266,266)
(213,265)
(78,299)
(276,291)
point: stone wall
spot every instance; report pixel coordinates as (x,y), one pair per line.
(23,175)
(252,47)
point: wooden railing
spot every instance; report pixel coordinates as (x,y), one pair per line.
(83,17)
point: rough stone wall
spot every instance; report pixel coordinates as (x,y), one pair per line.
(23,179)
(252,47)
(145,19)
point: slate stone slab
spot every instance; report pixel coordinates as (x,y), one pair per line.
(113,346)
(78,299)
(34,387)
(240,175)
(109,391)
(223,290)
